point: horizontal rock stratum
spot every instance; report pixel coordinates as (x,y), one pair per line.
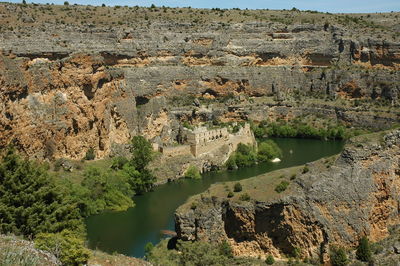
(79,77)
(336,202)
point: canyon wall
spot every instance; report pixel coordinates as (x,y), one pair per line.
(65,88)
(336,202)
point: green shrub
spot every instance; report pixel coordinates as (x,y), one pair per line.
(270,260)
(193,172)
(245,197)
(338,257)
(225,249)
(364,252)
(237,187)
(231,163)
(66,246)
(90,154)
(58,164)
(282,186)
(104,191)
(148,248)
(305,169)
(230,194)
(118,162)
(268,150)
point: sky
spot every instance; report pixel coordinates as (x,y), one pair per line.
(333,6)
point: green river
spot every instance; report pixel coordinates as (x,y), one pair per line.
(128,232)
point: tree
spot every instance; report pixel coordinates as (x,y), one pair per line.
(338,257)
(23,2)
(237,187)
(148,248)
(363,252)
(142,152)
(193,172)
(268,150)
(106,191)
(66,3)
(30,202)
(270,260)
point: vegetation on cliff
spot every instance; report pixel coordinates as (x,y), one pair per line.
(192,172)
(314,127)
(247,155)
(172,252)
(37,205)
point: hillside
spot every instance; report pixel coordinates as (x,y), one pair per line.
(79,77)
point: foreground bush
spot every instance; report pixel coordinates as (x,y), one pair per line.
(195,253)
(66,246)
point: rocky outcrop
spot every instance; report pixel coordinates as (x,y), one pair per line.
(334,203)
(68,87)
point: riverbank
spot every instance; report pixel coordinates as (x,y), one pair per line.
(328,203)
(128,232)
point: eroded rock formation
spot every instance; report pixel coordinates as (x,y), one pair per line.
(67,87)
(332,204)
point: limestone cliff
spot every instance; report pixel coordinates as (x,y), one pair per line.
(336,202)
(67,84)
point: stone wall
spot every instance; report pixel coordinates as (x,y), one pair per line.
(175,150)
(203,141)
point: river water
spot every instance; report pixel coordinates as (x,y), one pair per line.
(128,232)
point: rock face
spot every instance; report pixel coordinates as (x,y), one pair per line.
(355,196)
(65,88)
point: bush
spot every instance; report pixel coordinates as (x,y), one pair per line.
(268,150)
(231,163)
(66,3)
(270,260)
(364,252)
(237,187)
(66,246)
(282,186)
(225,249)
(119,162)
(230,194)
(90,154)
(244,156)
(193,172)
(305,169)
(338,257)
(245,197)
(148,248)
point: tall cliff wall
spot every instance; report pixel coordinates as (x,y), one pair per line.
(68,84)
(339,200)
